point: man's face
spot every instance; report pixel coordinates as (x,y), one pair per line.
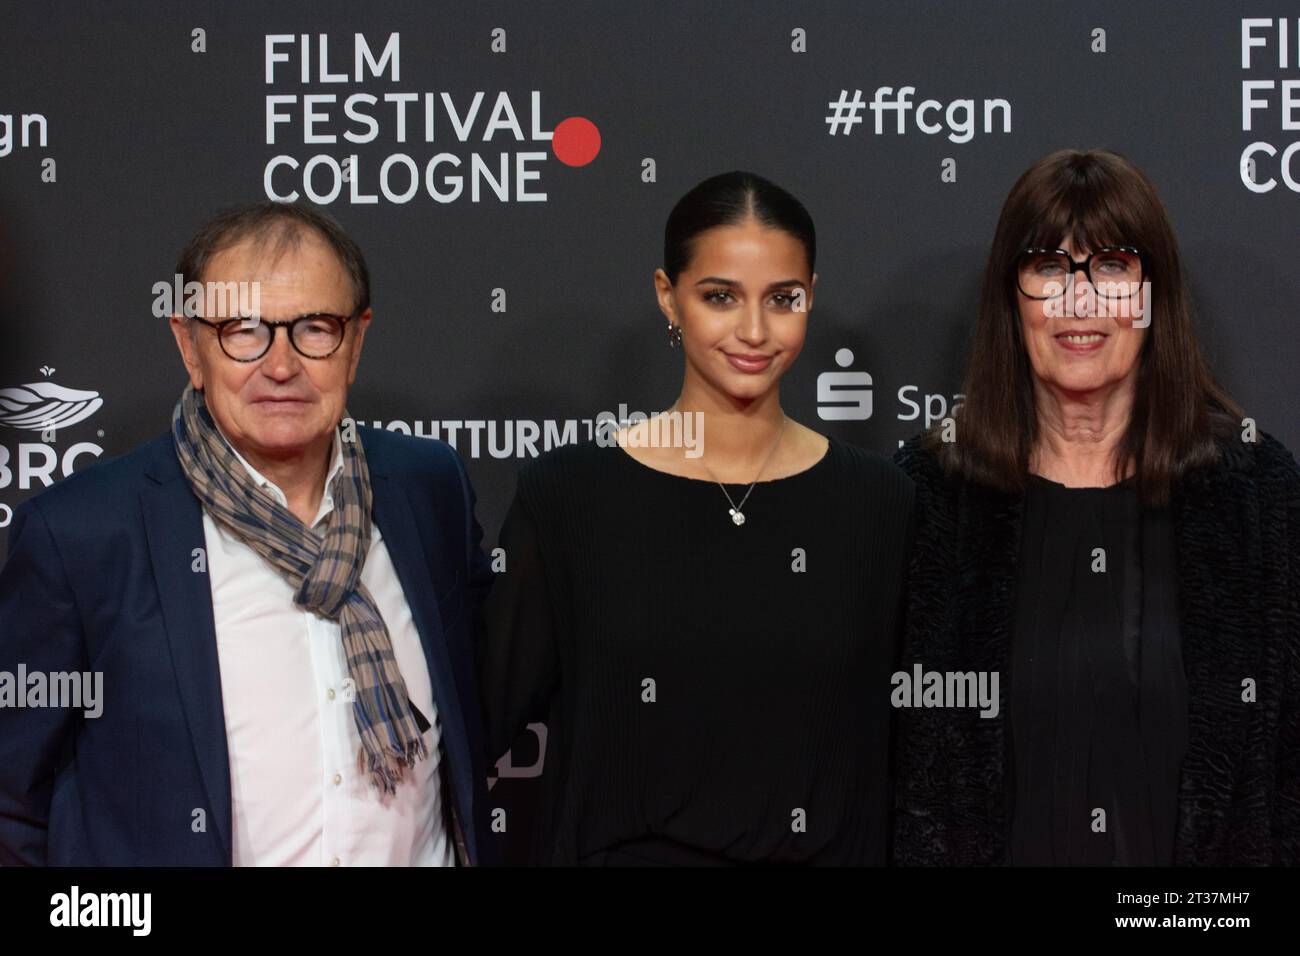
(283,405)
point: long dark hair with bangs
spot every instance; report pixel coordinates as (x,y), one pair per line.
(1180,412)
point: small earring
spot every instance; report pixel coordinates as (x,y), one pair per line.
(674,335)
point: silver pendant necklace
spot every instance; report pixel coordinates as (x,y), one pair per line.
(738,516)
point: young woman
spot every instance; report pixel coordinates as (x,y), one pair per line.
(708,637)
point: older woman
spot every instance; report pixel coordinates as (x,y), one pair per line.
(1101,526)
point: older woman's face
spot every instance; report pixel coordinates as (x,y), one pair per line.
(1080,342)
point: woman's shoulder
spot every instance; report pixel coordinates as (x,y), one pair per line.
(1275,458)
(565,465)
(918,457)
(553,490)
(867,466)
(1261,455)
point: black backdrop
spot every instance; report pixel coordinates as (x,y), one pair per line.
(125,125)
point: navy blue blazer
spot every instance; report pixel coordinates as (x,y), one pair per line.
(99,578)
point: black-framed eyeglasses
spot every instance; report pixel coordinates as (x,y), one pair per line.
(316,335)
(1115,272)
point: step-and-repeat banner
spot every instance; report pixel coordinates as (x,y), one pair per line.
(508,169)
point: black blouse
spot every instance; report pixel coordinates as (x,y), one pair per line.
(1098,693)
(712,693)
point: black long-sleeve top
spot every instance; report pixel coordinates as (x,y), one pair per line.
(712,693)
(1098,692)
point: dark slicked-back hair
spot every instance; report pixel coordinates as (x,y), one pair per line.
(275,227)
(726,200)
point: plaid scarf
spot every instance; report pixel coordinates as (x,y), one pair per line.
(326,573)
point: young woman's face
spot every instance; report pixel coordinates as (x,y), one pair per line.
(742,304)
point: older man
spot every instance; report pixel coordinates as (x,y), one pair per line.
(280,603)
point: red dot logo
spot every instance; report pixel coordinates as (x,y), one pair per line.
(576,141)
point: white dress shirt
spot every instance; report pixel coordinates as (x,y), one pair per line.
(297,795)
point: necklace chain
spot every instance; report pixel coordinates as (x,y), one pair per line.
(737,516)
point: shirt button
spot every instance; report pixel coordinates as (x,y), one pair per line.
(330,693)
(338,779)
(334,862)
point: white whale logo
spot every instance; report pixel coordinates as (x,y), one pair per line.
(41,405)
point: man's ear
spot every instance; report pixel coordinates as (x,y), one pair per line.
(189,348)
(664,293)
(363,323)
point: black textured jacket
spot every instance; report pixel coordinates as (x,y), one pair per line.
(1237,529)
